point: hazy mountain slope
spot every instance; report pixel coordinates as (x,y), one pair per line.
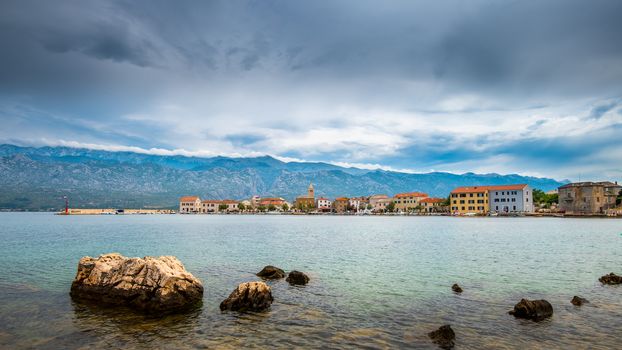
(37,178)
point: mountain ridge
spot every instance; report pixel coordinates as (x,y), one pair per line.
(36,178)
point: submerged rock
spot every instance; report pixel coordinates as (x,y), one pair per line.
(297,277)
(444,337)
(535,310)
(456,288)
(611,279)
(271,273)
(249,296)
(154,284)
(578,301)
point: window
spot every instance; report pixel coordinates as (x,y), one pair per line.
(496,199)
(470,194)
(514,208)
(497,207)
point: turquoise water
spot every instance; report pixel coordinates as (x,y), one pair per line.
(376,282)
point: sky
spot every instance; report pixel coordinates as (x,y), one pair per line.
(527,87)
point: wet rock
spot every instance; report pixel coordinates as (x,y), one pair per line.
(444,337)
(578,301)
(249,296)
(456,288)
(611,279)
(153,284)
(535,310)
(297,277)
(271,273)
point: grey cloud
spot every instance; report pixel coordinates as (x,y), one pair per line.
(598,111)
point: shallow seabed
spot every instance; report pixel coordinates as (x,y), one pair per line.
(376,282)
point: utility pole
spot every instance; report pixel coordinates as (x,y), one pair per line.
(66,205)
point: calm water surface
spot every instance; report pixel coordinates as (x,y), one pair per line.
(376,282)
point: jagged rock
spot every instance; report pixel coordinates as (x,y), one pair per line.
(444,337)
(249,296)
(535,310)
(271,273)
(611,278)
(456,288)
(154,284)
(578,301)
(297,277)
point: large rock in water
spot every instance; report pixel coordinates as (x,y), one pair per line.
(249,296)
(444,337)
(611,278)
(535,310)
(153,284)
(271,273)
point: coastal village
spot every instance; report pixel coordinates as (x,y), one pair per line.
(581,198)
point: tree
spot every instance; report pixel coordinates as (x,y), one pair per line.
(419,208)
(619,199)
(261,208)
(369,207)
(446,202)
(391,207)
(222,207)
(241,206)
(285,207)
(271,207)
(362,206)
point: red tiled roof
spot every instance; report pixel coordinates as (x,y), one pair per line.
(273,201)
(188,198)
(341,199)
(432,200)
(411,194)
(479,189)
(229,201)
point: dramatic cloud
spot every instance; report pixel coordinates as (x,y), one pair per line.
(531,87)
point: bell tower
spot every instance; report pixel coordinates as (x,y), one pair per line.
(311,191)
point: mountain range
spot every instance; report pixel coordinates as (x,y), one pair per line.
(37,178)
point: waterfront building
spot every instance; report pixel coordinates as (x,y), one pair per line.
(359,203)
(210,206)
(469,200)
(379,202)
(588,197)
(308,201)
(231,205)
(510,199)
(409,201)
(277,202)
(433,205)
(324,204)
(255,201)
(340,204)
(189,204)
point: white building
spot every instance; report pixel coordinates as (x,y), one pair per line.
(510,199)
(189,204)
(324,204)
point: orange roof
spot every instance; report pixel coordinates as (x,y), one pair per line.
(188,198)
(341,199)
(432,200)
(322,199)
(411,194)
(479,189)
(229,201)
(273,201)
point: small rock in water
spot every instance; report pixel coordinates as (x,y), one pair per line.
(535,310)
(297,277)
(153,284)
(271,273)
(578,301)
(444,337)
(456,288)
(249,296)
(611,279)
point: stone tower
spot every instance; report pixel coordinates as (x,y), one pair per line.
(311,191)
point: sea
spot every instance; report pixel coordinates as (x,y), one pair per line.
(376,282)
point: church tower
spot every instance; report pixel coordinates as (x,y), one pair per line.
(311,191)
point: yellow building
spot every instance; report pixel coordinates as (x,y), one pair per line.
(407,202)
(469,200)
(306,202)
